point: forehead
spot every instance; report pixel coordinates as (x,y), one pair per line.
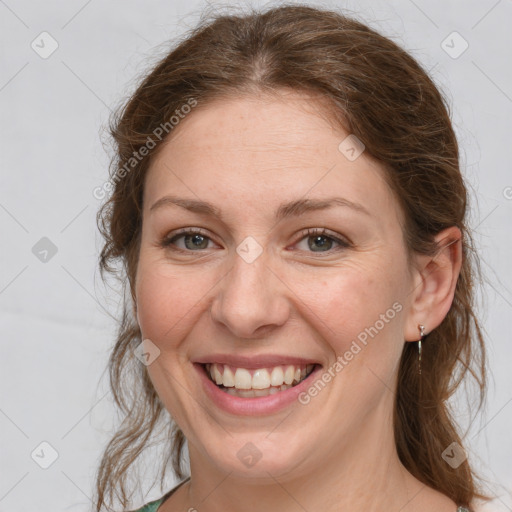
(251,150)
(288,122)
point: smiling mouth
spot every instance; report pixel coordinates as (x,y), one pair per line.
(258,382)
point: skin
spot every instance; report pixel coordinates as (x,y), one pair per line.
(337,452)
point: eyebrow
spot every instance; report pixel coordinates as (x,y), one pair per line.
(290,209)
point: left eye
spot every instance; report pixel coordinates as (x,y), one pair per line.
(318,237)
(196,240)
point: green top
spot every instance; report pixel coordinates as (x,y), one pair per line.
(153,505)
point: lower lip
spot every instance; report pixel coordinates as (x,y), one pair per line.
(256,406)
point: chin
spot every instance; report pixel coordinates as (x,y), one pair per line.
(258,457)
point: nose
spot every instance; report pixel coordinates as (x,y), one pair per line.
(251,300)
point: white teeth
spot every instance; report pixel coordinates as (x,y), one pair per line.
(277,376)
(253,393)
(261,379)
(228,379)
(269,379)
(243,379)
(289,375)
(217,376)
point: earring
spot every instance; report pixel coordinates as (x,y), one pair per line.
(422,334)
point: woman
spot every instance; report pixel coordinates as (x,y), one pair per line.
(289,212)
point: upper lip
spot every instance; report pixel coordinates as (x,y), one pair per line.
(257,361)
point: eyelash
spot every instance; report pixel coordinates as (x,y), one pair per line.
(168,241)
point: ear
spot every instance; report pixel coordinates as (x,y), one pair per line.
(434,283)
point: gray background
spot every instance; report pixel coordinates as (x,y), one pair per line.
(56,319)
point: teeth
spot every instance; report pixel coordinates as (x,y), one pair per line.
(217,376)
(254,382)
(260,379)
(277,376)
(243,379)
(228,379)
(289,375)
(253,393)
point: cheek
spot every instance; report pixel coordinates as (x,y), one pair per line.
(360,320)
(361,304)
(165,312)
(165,301)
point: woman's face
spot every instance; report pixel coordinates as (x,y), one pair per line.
(256,294)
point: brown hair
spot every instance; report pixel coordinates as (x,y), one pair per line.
(376,91)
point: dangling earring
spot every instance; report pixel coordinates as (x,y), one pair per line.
(422,334)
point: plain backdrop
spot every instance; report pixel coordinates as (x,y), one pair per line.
(56,321)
